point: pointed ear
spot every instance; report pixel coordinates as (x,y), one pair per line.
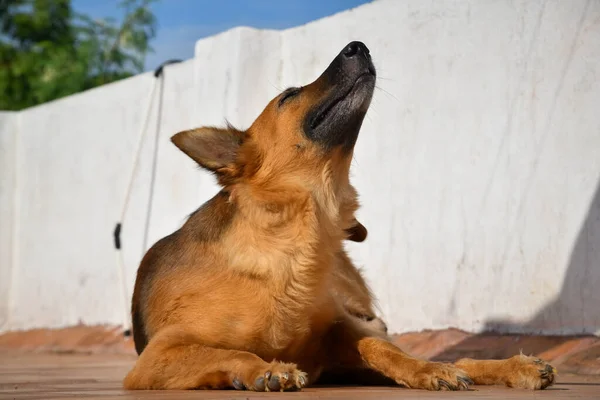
(212,148)
(357,233)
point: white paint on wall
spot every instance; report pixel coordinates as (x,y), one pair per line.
(478,165)
(8,142)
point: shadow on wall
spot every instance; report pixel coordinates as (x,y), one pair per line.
(578,301)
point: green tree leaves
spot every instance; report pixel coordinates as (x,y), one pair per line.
(47,51)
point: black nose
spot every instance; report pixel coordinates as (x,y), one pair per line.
(355,48)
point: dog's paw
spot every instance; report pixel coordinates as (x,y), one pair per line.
(529,373)
(438,376)
(278,377)
(373,323)
(376,324)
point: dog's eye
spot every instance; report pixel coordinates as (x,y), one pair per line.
(288,94)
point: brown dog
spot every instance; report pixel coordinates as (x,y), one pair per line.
(255,290)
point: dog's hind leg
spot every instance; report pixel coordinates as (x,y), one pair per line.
(519,372)
(351,289)
(176,359)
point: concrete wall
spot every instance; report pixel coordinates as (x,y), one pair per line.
(478,165)
(73,162)
(8,141)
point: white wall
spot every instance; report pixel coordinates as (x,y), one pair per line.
(73,161)
(8,140)
(478,165)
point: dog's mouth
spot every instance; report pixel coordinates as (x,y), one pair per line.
(337,103)
(347,86)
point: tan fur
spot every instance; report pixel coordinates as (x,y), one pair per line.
(256,292)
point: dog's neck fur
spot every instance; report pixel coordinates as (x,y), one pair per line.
(288,239)
(289,236)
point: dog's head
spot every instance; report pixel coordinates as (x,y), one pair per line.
(302,141)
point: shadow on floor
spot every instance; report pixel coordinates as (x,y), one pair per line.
(577,305)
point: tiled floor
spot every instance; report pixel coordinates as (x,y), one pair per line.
(77,376)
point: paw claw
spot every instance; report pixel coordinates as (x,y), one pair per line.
(464,382)
(259,384)
(302,381)
(442,383)
(278,377)
(274,385)
(437,376)
(238,385)
(530,373)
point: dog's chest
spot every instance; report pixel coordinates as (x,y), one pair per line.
(295,332)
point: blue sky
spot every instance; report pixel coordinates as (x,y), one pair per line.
(182,22)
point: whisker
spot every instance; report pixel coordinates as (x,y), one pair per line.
(388,93)
(275,86)
(372,110)
(354,162)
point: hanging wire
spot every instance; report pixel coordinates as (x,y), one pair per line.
(158,74)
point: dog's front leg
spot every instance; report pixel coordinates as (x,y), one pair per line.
(389,360)
(354,346)
(177,359)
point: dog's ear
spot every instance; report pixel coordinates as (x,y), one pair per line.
(212,148)
(357,233)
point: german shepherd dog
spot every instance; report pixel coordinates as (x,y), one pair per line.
(255,291)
